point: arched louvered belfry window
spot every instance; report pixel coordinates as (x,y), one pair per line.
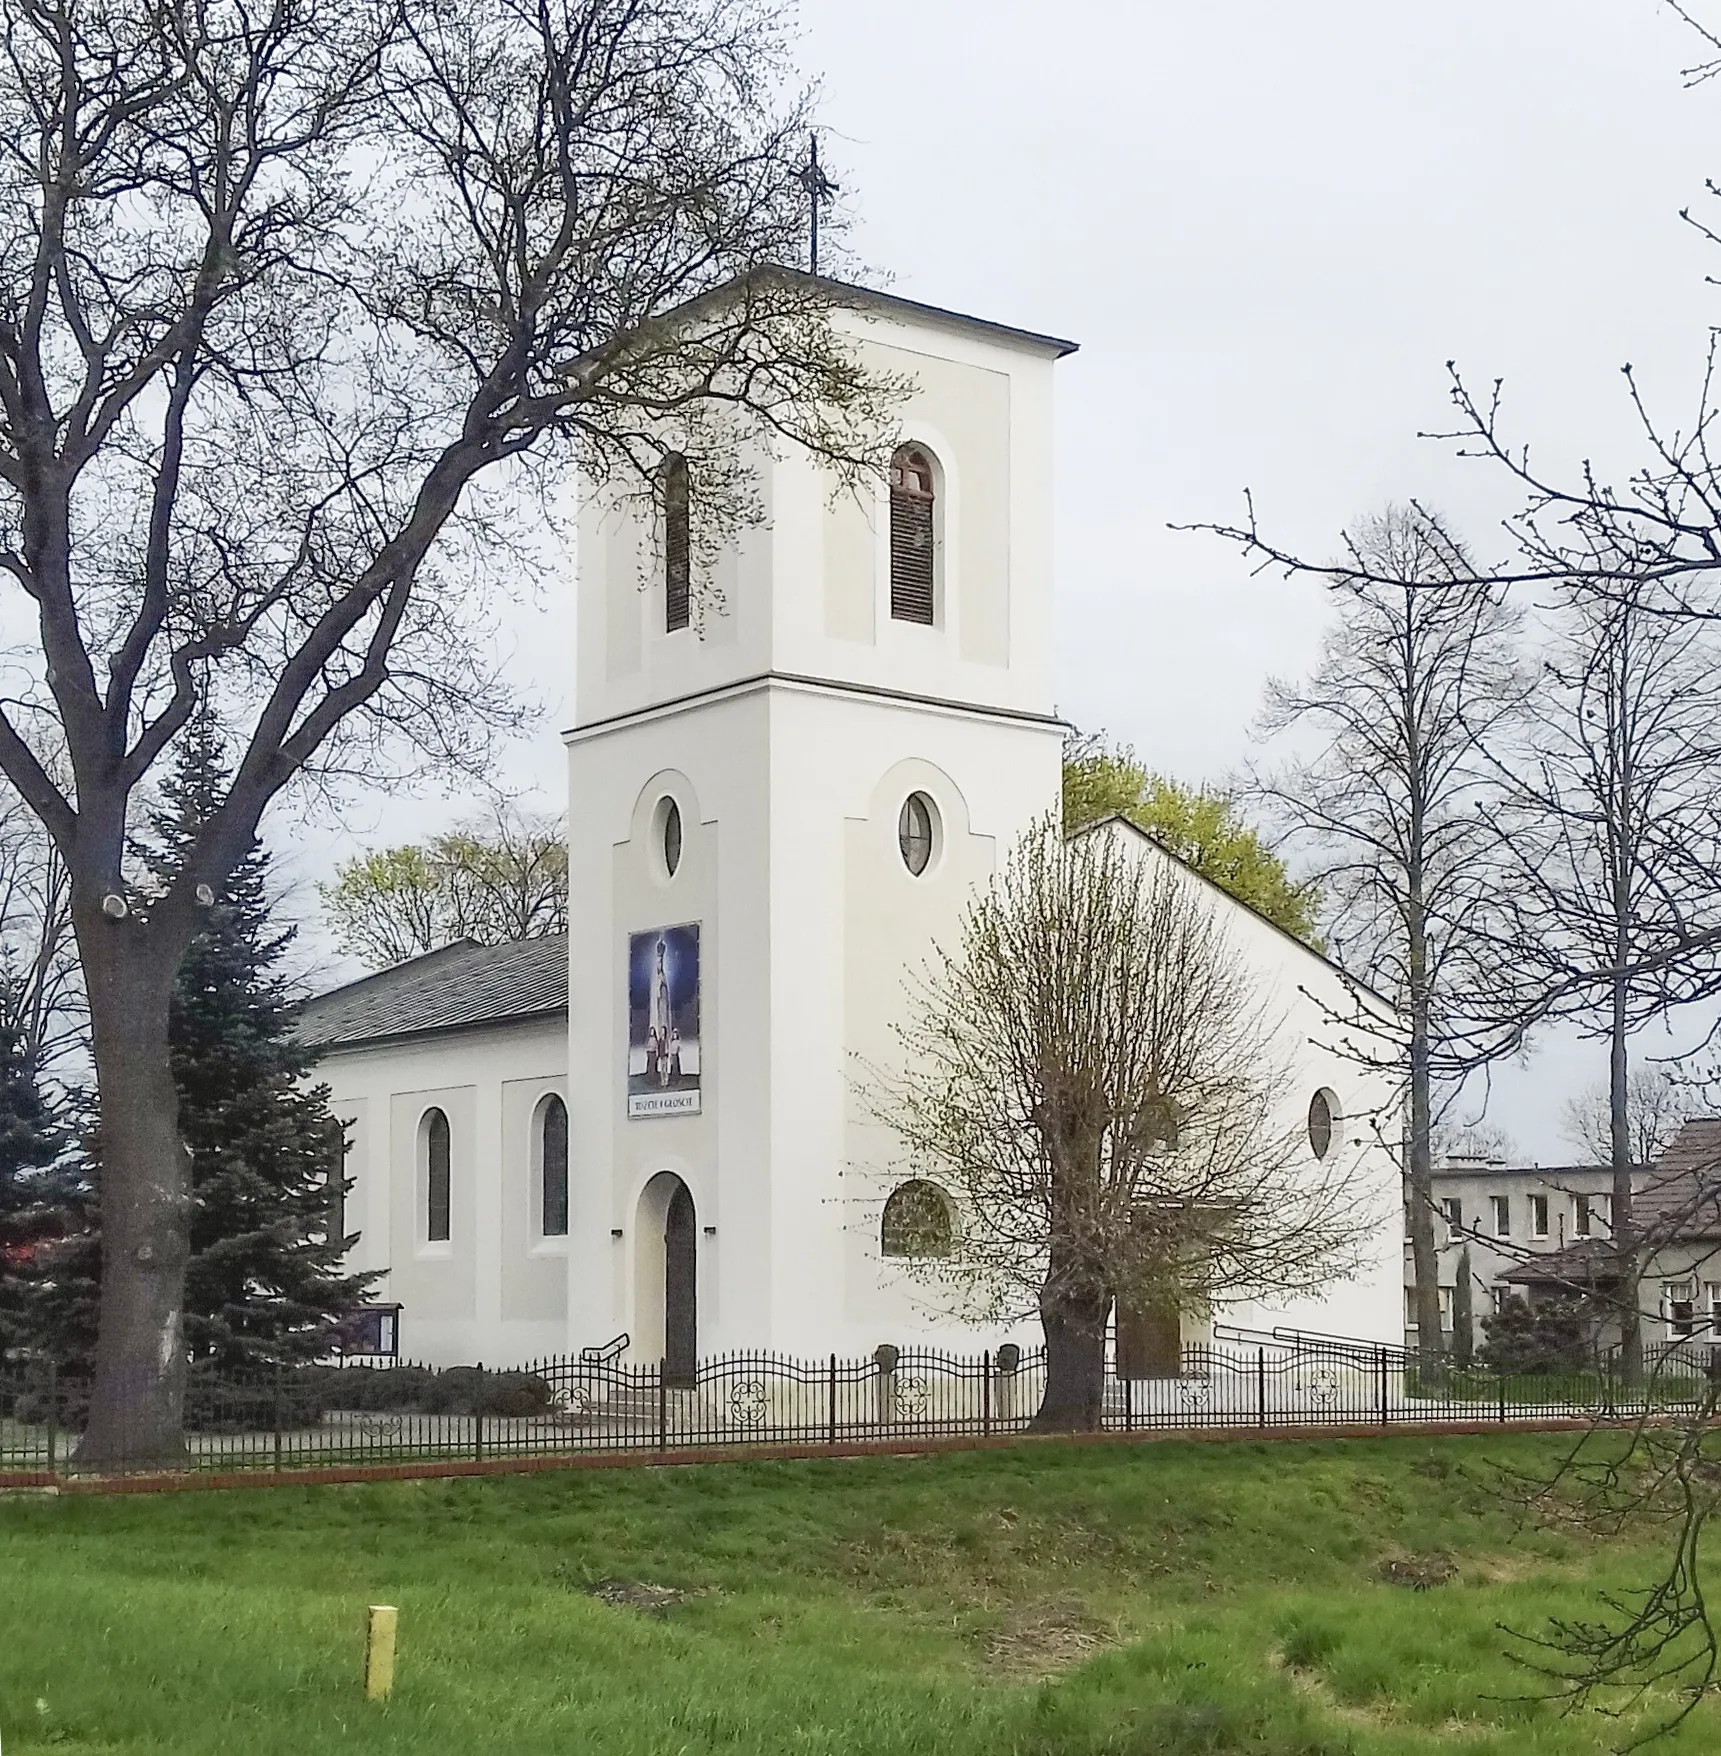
(553,1143)
(912,552)
(436,1177)
(677,551)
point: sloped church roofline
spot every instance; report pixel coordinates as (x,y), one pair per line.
(844,293)
(463,986)
(1117,820)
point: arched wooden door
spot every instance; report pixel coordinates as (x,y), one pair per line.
(680,1290)
(1149,1339)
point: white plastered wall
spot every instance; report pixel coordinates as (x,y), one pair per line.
(497,1290)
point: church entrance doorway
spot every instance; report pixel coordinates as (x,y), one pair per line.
(666,1280)
(680,1291)
(1149,1339)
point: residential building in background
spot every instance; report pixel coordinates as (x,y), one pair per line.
(1545,1232)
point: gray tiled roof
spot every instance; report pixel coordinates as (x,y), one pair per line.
(456,988)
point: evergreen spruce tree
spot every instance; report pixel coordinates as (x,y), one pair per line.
(36,1190)
(266,1280)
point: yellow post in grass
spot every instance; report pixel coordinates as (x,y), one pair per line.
(379,1651)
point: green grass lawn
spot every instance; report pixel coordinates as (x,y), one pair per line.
(1048,1601)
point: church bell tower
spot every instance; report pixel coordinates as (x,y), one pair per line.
(788,769)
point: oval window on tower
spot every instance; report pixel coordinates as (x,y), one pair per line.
(671,836)
(1323,1122)
(914,832)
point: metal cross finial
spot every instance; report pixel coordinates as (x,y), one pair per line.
(819,190)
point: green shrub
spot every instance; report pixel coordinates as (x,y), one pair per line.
(457,1390)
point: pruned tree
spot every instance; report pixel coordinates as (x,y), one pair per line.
(1611,849)
(488,881)
(1091,1071)
(1201,825)
(1655,1106)
(1417,673)
(300,305)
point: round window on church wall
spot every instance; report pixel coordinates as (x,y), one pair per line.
(1323,1122)
(671,836)
(914,829)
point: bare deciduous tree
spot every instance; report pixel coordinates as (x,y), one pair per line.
(41,984)
(1612,850)
(1092,1072)
(296,303)
(1654,1108)
(1416,672)
(488,881)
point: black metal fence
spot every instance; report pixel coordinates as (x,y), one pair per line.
(375,1414)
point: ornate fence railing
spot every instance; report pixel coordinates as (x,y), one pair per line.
(374,1414)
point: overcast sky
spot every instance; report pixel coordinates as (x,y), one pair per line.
(1269,226)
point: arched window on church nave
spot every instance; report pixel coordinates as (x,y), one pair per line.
(677,549)
(553,1167)
(916,1221)
(433,1131)
(913,555)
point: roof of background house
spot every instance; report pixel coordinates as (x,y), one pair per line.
(1494,1168)
(1578,1265)
(460,987)
(1682,1196)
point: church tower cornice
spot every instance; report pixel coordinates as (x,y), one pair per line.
(789,680)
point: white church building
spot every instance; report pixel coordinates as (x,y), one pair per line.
(781,793)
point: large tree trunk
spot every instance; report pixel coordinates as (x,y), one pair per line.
(1419,1179)
(1624,1226)
(137,1403)
(1075,1331)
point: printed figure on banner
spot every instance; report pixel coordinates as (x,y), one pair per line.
(663,1022)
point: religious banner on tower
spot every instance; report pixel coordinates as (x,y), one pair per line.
(663,1022)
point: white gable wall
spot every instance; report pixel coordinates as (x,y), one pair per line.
(1315,1004)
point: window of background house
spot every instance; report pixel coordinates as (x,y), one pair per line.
(677,551)
(1502,1206)
(1583,1216)
(553,1147)
(1538,1216)
(1446,1296)
(1712,1300)
(1679,1307)
(1453,1208)
(912,553)
(436,1177)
